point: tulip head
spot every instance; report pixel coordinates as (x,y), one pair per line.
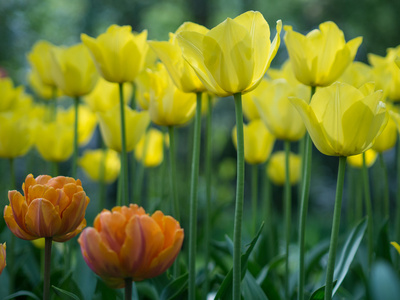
(110,127)
(357,161)
(388,138)
(357,74)
(150,149)
(118,53)
(9,94)
(42,62)
(2,257)
(92,162)
(233,56)
(343,120)
(50,207)
(320,57)
(128,243)
(44,91)
(277,166)
(258,142)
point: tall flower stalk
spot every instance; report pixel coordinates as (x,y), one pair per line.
(368,205)
(288,215)
(124,157)
(75,155)
(47,265)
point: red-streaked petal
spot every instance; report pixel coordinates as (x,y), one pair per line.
(42,218)
(13,226)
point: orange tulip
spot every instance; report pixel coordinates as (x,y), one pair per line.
(128,243)
(51,207)
(2,257)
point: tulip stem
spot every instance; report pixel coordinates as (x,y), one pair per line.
(128,288)
(207,217)
(335,228)
(172,162)
(305,191)
(102,173)
(237,228)
(75,156)
(47,263)
(386,186)
(194,177)
(268,217)
(254,197)
(398,195)
(288,213)
(124,160)
(367,195)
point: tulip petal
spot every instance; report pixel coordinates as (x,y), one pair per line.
(73,215)
(14,227)
(113,231)
(42,219)
(19,208)
(70,235)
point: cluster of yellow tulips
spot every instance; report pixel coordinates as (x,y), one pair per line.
(125,83)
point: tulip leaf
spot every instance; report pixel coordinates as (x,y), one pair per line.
(383,246)
(319,294)
(251,289)
(175,288)
(384,282)
(275,262)
(62,293)
(226,285)
(22,293)
(348,253)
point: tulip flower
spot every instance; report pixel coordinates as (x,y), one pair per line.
(356,161)
(182,74)
(168,105)
(276,168)
(150,148)
(258,142)
(250,110)
(73,70)
(91,161)
(343,120)
(357,74)
(285,72)
(127,244)
(8,94)
(143,84)
(42,62)
(387,139)
(15,135)
(118,53)
(2,257)
(386,73)
(320,57)
(42,90)
(110,127)
(50,207)
(233,56)
(105,96)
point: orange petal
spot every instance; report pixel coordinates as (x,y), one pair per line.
(13,226)
(113,229)
(70,235)
(19,208)
(73,215)
(42,219)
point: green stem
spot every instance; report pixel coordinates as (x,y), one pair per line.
(55,169)
(124,157)
(335,229)
(175,202)
(254,197)
(138,182)
(237,229)
(368,205)
(268,216)
(193,199)
(102,189)
(75,155)
(133,97)
(47,264)
(305,191)
(207,214)
(128,288)
(385,187)
(288,214)
(398,195)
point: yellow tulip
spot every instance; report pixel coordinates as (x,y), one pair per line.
(343,120)
(87,122)
(356,161)
(110,127)
(118,53)
(8,94)
(276,168)
(386,71)
(397,61)
(143,84)
(92,160)
(15,135)
(168,105)
(250,110)
(41,61)
(258,142)
(54,140)
(44,91)
(170,54)
(151,146)
(357,74)
(320,57)
(275,109)
(387,139)
(73,70)
(233,56)
(105,95)
(285,72)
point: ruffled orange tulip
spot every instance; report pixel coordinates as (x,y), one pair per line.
(128,243)
(51,207)
(2,257)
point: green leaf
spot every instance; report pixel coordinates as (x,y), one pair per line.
(319,294)
(146,289)
(348,253)
(63,294)
(105,292)
(383,244)
(175,288)
(22,293)
(275,262)
(227,283)
(384,281)
(251,289)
